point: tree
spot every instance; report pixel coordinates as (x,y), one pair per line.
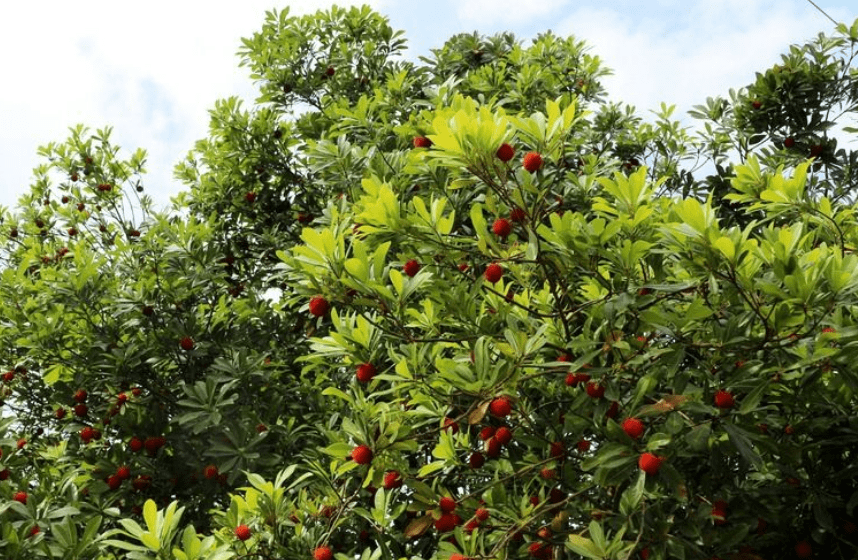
(462,308)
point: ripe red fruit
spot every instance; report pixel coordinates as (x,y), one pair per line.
(422,142)
(411,268)
(187,343)
(250,197)
(20,497)
(135,444)
(493,273)
(502,227)
(476,460)
(487,432)
(142,482)
(153,444)
(210,472)
(756,104)
(482,514)
(114,482)
(365,372)
(447,504)
(86,434)
(633,427)
(35,530)
(547,474)
(583,445)
(724,399)
(392,479)
(503,435)
(447,522)
(557,450)
(493,448)
(60,413)
(803,549)
(80,410)
(4,474)
(789,142)
(815,150)
(242,532)
(123,472)
(362,455)
(595,391)
(517,215)
(451,426)
(80,395)
(319,306)
(719,512)
(500,407)
(532,161)
(649,463)
(323,553)
(505,152)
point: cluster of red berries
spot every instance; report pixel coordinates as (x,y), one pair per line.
(115,480)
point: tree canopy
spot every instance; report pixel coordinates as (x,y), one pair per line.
(462,307)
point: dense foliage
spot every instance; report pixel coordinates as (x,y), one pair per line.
(454,308)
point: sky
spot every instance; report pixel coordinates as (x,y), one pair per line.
(154,70)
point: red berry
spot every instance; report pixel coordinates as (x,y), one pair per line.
(322,553)
(187,343)
(447,504)
(803,549)
(595,391)
(35,530)
(4,474)
(476,460)
(447,522)
(153,444)
(135,444)
(80,395)
(500,407)
(261,428)
(502,227)
(60,413)
(557,450)
(719,512)
(517,215)
(20,497)
(493,273)
(411,268)
(142,482)
(724,399)
(422,142)
(114,482)
(789,142)
(362,455)
(505,152)
(633,427)
(532,161)
(250,197)
(487,432)
(21,443)
(123,472)
(242,532)
(210,472)
(451,426)
(392,479)
(493,448)
(649,463)
(756,104)
(583,445)
(86,434)
(547,474)
(482,514)
(503,435)
(319,306)
(365,372)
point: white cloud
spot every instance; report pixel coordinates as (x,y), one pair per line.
(151,70)
(682,52)
(483,13)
